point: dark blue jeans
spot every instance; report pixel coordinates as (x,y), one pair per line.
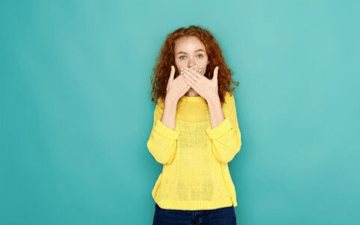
(220,216)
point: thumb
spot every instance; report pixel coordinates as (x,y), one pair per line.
(215,76)
(172,73)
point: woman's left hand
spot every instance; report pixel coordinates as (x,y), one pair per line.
(205,87)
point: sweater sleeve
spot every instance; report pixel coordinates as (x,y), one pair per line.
(226,137)
(163,139)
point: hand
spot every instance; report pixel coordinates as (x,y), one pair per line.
(203,86)
(176,88)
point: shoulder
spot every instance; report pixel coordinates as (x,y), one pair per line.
(160,103)
(229,99)
(229,103)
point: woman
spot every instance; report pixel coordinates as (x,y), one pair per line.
(195,131)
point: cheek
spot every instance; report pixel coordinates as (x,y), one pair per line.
(180,65)
(204,66)
(203,62)
(177,64)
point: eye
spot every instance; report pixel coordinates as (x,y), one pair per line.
(200,56)
(182,56)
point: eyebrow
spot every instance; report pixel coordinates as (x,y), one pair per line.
(195,51)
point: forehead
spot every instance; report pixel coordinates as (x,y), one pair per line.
(188,44)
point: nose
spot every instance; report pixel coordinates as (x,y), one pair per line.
(191,63)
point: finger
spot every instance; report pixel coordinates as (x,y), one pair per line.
(192,84)
(182,70)
(193,73)
(188,81)
(216,71)
(189,76)
(172,73)
(196,68)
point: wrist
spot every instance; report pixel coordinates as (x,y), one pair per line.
(214,99)
(170,101)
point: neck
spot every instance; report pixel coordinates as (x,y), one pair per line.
(191,93)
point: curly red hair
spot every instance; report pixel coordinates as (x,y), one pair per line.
(166,58)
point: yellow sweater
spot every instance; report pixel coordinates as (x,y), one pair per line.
(195,174)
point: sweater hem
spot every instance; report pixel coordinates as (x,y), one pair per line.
(193,205)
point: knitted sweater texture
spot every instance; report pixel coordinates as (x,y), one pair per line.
(195,173)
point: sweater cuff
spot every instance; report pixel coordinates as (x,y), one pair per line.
(166,131)
(220,129)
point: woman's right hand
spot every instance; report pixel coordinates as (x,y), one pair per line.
(176,88)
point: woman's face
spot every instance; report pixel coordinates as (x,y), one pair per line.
(190,51)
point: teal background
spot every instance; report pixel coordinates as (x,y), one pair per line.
(76,111)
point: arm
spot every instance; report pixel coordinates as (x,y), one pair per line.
(226,137)
(169,114)
(163,139)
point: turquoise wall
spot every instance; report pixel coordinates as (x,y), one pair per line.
(76,111)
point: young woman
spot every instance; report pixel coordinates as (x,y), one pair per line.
(195,131)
